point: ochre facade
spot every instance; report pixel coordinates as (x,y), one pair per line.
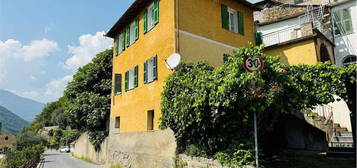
(192,28)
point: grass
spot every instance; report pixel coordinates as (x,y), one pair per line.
(86,159)
(116,166)
(300,159)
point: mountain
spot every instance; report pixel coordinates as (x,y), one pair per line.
(11,122)
(23,107)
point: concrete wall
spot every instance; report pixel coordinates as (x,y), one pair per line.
(341,113)
(152,149)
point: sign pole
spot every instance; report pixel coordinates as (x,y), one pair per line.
(256,140)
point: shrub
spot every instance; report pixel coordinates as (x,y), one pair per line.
(237,155)
(16,158)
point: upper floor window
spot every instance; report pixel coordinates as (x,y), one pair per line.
(342,22)
(150,70)
(120,43)
(117,84)
(232,20)
(151,16)
(131,78)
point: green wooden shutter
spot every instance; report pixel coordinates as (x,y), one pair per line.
(259,38)
(146,72)
(127,37)
(154,68)
(122,41)
(136,29)
(224,16)
(225,58)
(145,20)
(116,42)
(117,87)
(156,11)
(126,80)
(240,23)
(136,69)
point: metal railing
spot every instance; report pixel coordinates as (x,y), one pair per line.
(326,113)
(282,35)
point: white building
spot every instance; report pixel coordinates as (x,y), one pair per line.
(344,14)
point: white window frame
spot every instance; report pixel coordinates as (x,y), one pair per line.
(232,26)
(150,69)
(150,15)
(131,79)
(120,50)
(132,33)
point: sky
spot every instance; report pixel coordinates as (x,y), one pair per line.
(43,42)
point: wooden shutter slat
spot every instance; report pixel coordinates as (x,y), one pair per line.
(136,69)
(240,23)
(126,80)
(156,12)
(145,20)
(136,29)
(154,68)
(127,35)
(224,16)
(146,72)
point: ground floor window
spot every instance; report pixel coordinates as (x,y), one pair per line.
(117,122)
(350,59)
(150,120)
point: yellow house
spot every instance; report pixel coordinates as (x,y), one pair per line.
(150,31)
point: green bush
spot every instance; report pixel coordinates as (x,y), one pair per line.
(235,156)
(16,158)
(212,108)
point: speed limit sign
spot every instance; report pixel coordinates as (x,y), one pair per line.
(253,63)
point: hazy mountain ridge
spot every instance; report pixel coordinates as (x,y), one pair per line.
(11,122)
(25,108)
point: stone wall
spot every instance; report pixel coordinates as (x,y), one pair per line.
(276,13)
(152,149)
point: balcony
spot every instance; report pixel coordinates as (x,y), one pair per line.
(295,32)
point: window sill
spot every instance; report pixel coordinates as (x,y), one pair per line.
(130,89)
(233,32)
(116,94)
(150,29)
(151,81)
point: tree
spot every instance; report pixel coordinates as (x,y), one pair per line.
(88,96)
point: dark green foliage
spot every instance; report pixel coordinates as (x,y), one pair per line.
(88,97)
(236,155)
(17,158)
(212,108)
(27,139)
(11,122)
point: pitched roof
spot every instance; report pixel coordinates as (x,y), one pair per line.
(134,10)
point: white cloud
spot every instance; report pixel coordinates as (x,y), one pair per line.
(56,87)
(89,46)
(36,49)
(30,94)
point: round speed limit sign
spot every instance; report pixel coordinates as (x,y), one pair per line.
(253,63)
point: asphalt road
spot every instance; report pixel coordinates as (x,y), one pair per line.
(65,160)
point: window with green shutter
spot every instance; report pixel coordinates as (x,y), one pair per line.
(122,42)
(232,20)
(151,16)
(150,70)
(342,22)
(117,84)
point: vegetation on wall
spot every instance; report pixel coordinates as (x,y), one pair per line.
(212,108)
(88,96)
